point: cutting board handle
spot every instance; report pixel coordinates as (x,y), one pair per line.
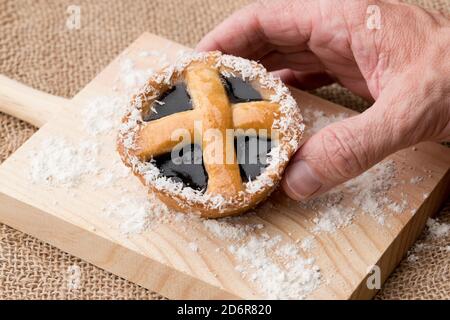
(28,104)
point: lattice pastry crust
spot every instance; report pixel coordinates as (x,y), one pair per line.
(226,193)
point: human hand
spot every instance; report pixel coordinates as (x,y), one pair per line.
(404,65)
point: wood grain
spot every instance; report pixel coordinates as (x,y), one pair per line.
(33,106)
(159,258)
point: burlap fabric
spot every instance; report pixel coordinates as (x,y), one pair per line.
(37,49)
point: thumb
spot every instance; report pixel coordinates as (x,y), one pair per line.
(344,150)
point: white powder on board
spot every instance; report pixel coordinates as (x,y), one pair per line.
(416,180)
(369,193)
(287,250)
(273,265)
(58,162)
(131,212)
(103,114)
(113,175)
(234,229)
(163,59)
(132,77)
(307,243)
(136,213)
(398,207)
(331,219)
(318,119)
(369,190)
(330,213)
(294,279)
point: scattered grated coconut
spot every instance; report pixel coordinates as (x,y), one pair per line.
(412,255)
(307,243)
(437,229)
(318,119)
(332,219)
(136,213)
(60,163)
(229,228)
(412,258)
(294,279)
(289,276)
(331,214)
(163,59)
(132,77)
(287,250)
(416,180)
(103,114)
(368,192)
(398,207)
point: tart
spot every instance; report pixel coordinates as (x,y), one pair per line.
(211,134)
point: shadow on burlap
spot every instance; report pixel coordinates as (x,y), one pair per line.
(37,49)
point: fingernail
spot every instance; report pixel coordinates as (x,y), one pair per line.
(300,181)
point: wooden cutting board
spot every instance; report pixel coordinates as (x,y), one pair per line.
(183,258)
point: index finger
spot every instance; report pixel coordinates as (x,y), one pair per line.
(262,27)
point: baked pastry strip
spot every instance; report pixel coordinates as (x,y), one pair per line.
(161,136)
(219,157)
(255,115)
(155,138)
